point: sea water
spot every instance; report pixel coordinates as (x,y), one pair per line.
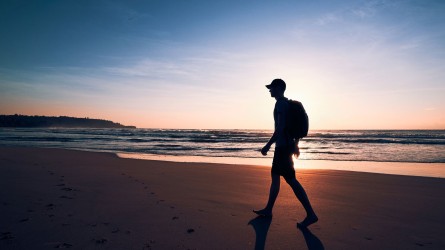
(419,146)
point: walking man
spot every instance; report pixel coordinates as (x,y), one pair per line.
(282,164)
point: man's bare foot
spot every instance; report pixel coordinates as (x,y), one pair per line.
(308,221)
(263,212)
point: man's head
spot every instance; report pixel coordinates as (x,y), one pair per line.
(276,88)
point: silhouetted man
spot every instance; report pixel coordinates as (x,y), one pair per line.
(282,164)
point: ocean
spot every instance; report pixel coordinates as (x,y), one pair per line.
(418,146)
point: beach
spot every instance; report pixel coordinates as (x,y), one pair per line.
(58,198)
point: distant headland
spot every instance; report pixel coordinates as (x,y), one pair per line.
(24,121)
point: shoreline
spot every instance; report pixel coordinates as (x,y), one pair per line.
(338,145)
(58,198)
(419,169)
(436,170)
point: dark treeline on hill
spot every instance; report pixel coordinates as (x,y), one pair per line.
(24,121)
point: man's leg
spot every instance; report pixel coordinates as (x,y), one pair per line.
(273,193)
(301,195)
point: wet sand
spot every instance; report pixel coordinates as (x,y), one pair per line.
(55,198)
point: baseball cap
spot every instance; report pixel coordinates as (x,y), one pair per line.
(277,83)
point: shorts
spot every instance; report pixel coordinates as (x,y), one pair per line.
(283,163)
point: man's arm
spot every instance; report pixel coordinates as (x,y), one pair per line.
(279,130)
(266,148)
(296,148)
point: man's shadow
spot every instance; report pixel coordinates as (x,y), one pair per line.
(312,241)
(261,226)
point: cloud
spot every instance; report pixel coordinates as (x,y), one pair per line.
(370,8)
(326,19)
(149,68)
(364,12)
(198,69)
(123,11)
(411,44)
(135,79)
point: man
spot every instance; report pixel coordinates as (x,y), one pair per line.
(282,164)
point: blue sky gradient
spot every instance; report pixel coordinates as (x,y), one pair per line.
(204,64)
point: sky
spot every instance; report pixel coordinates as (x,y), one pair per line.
(203,64)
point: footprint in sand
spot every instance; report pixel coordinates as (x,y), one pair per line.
(63,245)
(148,245)
(66,197)
(423,244)
(24,220)
(100,241)
(175,218)
(6,236)
(190,230)
(115,230)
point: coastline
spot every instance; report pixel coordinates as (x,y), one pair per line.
(57,198)
(243,146)
(436,170)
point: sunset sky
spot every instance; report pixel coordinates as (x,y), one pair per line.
(204,64)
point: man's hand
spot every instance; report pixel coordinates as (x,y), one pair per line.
(265,149)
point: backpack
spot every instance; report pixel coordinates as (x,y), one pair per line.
(297,120)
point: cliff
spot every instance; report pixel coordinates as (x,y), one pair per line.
(24,121)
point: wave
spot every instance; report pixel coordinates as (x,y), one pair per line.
(393,134)
(43,139)
(378,141)
(332,145)
(327,152)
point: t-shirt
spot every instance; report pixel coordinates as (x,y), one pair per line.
(281,107)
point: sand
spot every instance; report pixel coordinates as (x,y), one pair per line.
(54,198)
